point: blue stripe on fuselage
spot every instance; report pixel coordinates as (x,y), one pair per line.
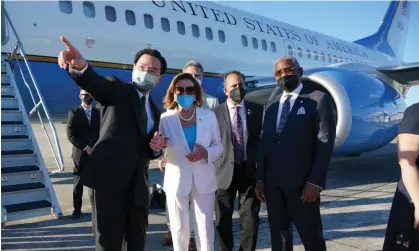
(61,94)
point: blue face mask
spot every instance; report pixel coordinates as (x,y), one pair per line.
(185,100)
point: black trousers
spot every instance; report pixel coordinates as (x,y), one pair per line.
(119,223)
(285,208)
(77,187)
(248,211)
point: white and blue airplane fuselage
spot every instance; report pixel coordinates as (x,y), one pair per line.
(366,78)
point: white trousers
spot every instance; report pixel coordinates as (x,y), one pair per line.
(203,206)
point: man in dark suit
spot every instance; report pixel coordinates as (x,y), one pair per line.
(129,138)
(240,124)
(296,145)
(82,131)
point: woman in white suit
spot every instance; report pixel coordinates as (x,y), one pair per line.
(194,143)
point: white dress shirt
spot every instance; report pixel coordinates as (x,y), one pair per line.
(85,112)
(294,95)
(150,119)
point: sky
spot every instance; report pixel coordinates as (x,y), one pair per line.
(347,20)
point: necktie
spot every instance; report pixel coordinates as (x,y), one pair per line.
(284,114)
(143,115)
(88,115)
(238,137)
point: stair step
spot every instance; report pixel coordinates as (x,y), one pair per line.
(18,160)
(19,169)
(16,144)
(10,109)
(7,90)
(11,116)
(5,80)
(14,137)
(5,84)
(9,103)
(13,130)
(21,187)
(27,206)
(12,122)
(7,96)
(15,152)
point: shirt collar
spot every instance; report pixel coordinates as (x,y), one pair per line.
(295,92)
(86,109)
(141,95)
(231,106)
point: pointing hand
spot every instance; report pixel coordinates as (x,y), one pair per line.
(70,56)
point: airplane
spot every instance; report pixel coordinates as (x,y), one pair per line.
(366,79)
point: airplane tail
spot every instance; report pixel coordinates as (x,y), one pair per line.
(391,35)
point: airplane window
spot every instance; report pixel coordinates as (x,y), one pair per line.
(110,13)
(346,59)
(89,9)
(299,52)
(329,58)
(148,21)
(181,28)
(255,43)
(208,32)
(273,47)
(290,51)
(165,25)
(316,57)
(130,17)
(308,54)
(244,41)
(66,7)
(195,30)
(221,36)
(322,56)
(264,45)
(335,59)
(340,59)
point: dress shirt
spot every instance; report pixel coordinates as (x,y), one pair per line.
(242,113)
(85,112)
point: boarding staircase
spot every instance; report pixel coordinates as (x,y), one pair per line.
(26,188)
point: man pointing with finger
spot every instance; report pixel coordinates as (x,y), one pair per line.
(118,167)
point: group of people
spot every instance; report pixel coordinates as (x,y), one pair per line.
(278,153)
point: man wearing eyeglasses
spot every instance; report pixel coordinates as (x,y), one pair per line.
(296,145)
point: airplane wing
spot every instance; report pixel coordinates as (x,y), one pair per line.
(407,74)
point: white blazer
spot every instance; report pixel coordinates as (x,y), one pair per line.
(179,171)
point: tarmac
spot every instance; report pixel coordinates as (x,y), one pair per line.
(355,206)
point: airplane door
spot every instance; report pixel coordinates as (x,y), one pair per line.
(289,48)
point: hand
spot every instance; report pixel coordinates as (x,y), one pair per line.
(89,150)
(162,164)
(260,191)
(70,56)
(199,153)
(158,142)
(416,222)
(310,193)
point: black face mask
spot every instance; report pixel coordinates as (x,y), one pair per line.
(87,100)
(288,82)
(237,94)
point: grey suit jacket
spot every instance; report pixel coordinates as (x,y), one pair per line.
(225,164)
(302,152)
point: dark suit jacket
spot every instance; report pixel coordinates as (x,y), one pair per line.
(225,165)
(80,133)
(122,153)
(303,151)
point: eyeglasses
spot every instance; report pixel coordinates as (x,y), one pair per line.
(287,70)
(181,90)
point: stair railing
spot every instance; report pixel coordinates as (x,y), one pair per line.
(41,103)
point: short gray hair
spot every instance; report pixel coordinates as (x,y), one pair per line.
(195,64)
(287,58)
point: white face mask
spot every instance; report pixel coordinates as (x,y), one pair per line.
(143,80)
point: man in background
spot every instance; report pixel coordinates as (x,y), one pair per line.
(82,131)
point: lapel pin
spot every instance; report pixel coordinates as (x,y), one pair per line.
(249,112)
(301,101)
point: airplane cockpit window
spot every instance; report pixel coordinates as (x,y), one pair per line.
(264,45)
(181,28)
(340,59)
(110,13)
(208,33)
(335,59)
(148,21)
(299,52)
(255,43)
(329,58)
(316,56)
(89,9)
(346,60)
(195,30)
(221,36)
(290,51)
(244,41)
(165,24)
(323,56)
(130,17)
(273,47)
(308,53)
(66,7)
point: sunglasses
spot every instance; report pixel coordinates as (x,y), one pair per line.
(189,90)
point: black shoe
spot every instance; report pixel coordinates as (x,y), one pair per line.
(76,214)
